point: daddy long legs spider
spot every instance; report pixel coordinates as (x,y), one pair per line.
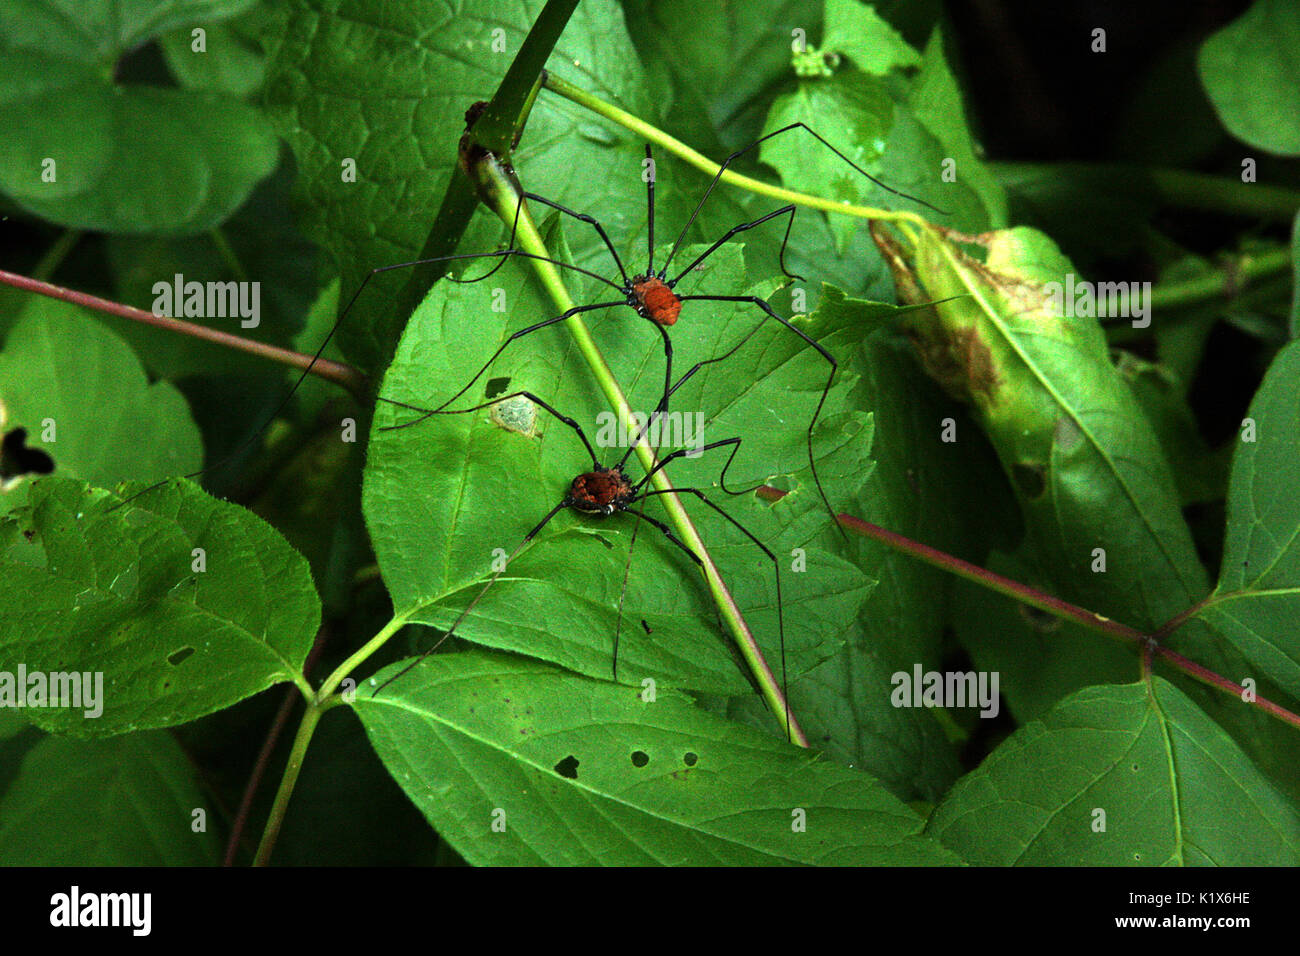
(652,293)
(598,494)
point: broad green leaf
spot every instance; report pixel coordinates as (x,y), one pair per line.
(387,86)
(179,603)
(1201,474)
(129,801)
(517,763)
(83,398)
(1088,471)
(1249,69)
(720,63)
(448,497)
(1295,276)
(119,158)
(1132,775)
(859,32)
(884,137)
(844,705)
(264,246)
(1040,659)
(1257,601)
(231,60)
(939,106)
(1087,468)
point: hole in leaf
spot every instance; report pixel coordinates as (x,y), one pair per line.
(496,386)
(690,759)
(1030,479)
(568,767)
(646,626)
(640,758)
(178,655)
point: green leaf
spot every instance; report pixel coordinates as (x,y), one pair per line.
(883,136)
(119,158)
(448,497)
(1249,70)
(119,592)
(939,106)
(83,398)
(1174,789)
(129,801)
(1040,659)
(718,66)
(844,704)
(1085,464)
(580,772)
(1200,474)
(1295,276)
(858,32)
(232,60)
(1257,600)
(388,86)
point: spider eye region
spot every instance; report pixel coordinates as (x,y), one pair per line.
(601,492)
(655,300)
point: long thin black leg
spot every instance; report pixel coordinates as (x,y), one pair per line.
(495,254)
(642,516)
(812,465)
(668,532)
(469,607)
(519,335)
(565,419)
(581,217)
(784,210)
(735,444)
(776,569)
(784,129)
(622,593)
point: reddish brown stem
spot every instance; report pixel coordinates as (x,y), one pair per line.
(1206,676)
(1147,644)
(338,372)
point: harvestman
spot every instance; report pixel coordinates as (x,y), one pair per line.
(651,293)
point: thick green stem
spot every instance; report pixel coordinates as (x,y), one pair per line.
(505,201)
(291,771)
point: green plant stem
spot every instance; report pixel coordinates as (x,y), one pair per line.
(338,372)
(1178,187)
(310,718)
(505,201)
(57,252)
(504,117)
(318,702)
(679,149)
(398,622)
(1225,282)
(227,253)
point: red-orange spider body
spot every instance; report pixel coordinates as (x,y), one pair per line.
(601,492)
(655,300)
